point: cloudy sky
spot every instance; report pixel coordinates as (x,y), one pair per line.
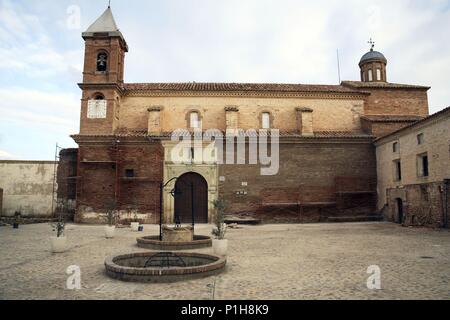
(285,41)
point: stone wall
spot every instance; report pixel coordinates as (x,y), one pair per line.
(423,205)
(27,187)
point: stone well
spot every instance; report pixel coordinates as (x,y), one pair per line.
(163,266)
(178,238)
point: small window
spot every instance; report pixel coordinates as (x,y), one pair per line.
(370,73)
(194,120)
(266,120)
(395,147)
(397,170)
(102,62)
(420,139)
(129,173)
(99,97)
(378,74)
(423,169)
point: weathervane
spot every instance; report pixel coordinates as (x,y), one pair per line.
(372,44)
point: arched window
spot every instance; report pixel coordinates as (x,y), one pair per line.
(265,119)
(194,120)
(99,96)
(378,74)
(370,73)
(102,62)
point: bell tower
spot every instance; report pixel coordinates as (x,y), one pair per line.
(103,75)
(105,49)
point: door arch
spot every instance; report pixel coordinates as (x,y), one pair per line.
(191,195)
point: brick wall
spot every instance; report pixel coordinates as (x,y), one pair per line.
(380,129)
(309,173)
(100,186)
(397,102)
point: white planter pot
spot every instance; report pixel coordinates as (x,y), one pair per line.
(110,231)
(59,245)
(220,247)
(135,226)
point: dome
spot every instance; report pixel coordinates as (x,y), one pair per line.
(373,55)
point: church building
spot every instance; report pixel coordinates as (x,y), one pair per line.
(327,159)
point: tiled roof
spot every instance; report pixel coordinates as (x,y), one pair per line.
(391,118)
(266,87)
(381,85)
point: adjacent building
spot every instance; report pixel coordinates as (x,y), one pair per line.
(28,187)
(414,172)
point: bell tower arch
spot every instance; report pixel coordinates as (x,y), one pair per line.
(103,75)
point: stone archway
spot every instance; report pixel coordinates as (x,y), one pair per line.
(191,199)
(208,170)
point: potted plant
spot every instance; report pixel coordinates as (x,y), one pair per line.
(135,222)
(220,244)
(111,218)
(17,219)
(59,243)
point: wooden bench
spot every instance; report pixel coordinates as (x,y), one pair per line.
(296,200)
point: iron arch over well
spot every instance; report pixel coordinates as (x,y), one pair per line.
(191,195)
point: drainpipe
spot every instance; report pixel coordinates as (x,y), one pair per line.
(446,191)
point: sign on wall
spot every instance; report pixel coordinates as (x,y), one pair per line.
(97,109)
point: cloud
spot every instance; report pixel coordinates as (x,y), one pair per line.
(50,110)
(27,47)
(283,41)
(287,41)
(4,155)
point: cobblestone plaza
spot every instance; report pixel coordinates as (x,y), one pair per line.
(281,262)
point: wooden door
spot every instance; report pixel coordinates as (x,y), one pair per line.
(191,199)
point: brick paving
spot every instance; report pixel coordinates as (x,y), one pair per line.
(316,261)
